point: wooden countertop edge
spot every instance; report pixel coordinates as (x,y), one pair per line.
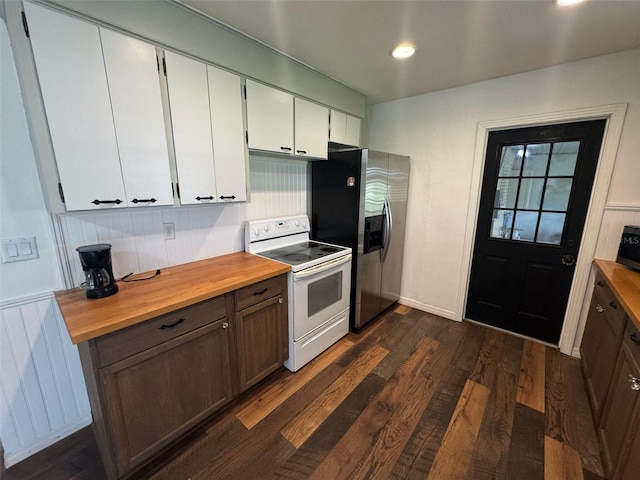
(70,300)
(626,289)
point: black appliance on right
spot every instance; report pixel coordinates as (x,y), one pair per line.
(359,200)
(629,250)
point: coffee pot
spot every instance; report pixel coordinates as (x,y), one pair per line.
(96,265)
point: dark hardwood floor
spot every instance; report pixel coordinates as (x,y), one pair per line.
(411,396)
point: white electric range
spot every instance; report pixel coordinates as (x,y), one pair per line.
(319,283)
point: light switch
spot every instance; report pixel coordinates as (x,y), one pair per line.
(19,249)
(12,250)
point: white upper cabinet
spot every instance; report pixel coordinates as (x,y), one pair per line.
(101,92)
(227,126)
(311,129)
(208,131)
(191,122)
(73,82)
(132,72)
(345,129)
(269,118)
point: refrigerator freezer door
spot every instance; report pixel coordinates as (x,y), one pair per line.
(397,193)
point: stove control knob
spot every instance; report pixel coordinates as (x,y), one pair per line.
(297,223)
(304,224)
(267,228)
(256,232)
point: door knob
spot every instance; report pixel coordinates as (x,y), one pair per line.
(568,260)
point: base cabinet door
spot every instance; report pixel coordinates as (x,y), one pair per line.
(621,407)
(160,393)
(599,350)
(262,332)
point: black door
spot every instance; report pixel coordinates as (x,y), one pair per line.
(535,194)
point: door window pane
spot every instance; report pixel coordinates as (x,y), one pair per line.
(556,194)
(501,223)
(511,161)
(506,192)
(524,227)
(535,160)
(530,193)
(551,227)
(563,159)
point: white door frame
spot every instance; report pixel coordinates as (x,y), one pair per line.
(614,114)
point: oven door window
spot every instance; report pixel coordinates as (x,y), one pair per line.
(323,293)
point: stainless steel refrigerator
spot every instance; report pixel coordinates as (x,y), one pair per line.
(359,200)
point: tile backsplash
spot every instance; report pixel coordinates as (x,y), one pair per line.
(278,187)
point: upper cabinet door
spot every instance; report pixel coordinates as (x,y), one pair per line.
(338,127)
(311,129)
(72,78)
(352,136)
(191,122)
(227,125)
(136,103)
(269,118)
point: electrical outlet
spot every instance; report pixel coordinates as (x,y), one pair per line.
(169,231)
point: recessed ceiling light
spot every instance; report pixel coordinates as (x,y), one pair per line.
(564,3)
(404,50)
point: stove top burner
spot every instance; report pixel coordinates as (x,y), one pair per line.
(300,253)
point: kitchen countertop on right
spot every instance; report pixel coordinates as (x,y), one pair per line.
(625,284)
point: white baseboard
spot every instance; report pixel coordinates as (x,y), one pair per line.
(427,308)
(44,442)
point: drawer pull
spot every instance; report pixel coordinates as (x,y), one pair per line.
(281,300)
(225,325)
(599,308)
(613,305)
(600,283)
(261,292)
(171,325)
(634,338)
(635,382)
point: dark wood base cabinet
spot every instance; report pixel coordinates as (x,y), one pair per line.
(610,353)
(151,383)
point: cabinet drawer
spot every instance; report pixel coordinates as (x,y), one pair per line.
(123,343)
(632,338)
(609,302)
(253,294)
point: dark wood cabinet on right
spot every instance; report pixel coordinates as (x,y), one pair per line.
(610,353)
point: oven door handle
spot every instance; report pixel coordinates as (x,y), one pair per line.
(321,268)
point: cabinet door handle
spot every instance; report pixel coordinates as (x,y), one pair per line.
(635,382)
(286,149)
(171,325)
(613,305)
(599,283)
(281,300)
(599,308)
(301,152)
(117,201)
(255,294)
(144,200)
(227,197)
(204,198)
(634,338)
(225,325)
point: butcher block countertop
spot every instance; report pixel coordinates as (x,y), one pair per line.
(625,284)
(174,288)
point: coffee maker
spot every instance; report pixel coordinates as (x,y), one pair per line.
(96,264)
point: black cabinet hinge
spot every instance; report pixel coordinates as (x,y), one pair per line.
(178,190)
(164,67)
(25,25)
(158,63)
(61,192)
(245,92)
(246,135)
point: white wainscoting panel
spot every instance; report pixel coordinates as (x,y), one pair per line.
(278,187)
(43,396)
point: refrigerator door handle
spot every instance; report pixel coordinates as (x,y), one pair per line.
(388,229)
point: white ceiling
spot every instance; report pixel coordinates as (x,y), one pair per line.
(458,41)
